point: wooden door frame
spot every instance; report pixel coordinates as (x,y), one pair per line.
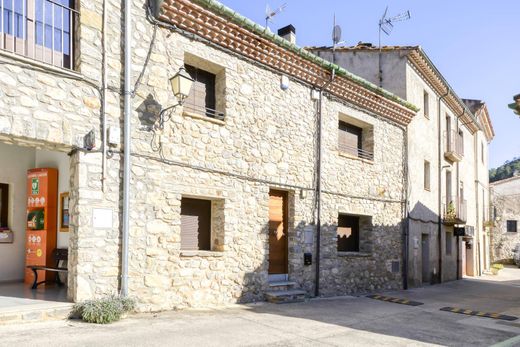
(285,203)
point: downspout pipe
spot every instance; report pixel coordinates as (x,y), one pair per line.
(318,183)
(406,225)
(458,199)
(439,219)
(104,99)
(127,145)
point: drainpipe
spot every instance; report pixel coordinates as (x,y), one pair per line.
(127,147)
(104,100)
(318,184)
(439,221)
(406,225)
(476,243)
(458,197)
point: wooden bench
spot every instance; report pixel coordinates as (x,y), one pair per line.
(59,254)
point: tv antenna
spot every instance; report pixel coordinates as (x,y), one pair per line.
(336,39)
(386,24)
(269,14)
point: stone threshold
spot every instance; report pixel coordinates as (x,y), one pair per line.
(354,254)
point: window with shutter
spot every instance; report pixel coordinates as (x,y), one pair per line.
(426,175)
(195,224)
(349,138)
(202,94)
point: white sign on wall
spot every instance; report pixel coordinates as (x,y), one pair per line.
(102,218)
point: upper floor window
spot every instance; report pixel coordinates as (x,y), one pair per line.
(355,138)
(482,151)
(42,30)
(202,99)
(426,104)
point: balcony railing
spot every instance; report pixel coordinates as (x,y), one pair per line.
(454,211)
(192,108)
(42,30)
(356,151)
(454,150)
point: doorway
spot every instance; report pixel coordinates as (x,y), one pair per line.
(425,258)
(278,241)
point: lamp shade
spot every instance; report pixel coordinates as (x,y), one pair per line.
(181,84)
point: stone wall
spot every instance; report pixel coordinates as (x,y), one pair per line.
(266,141)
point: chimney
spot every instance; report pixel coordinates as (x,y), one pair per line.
(288,33)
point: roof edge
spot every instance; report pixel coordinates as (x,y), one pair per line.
(248,24)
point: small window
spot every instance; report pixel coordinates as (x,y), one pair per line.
(195,224)
(202,97)
(426,105)
(348,233)
(355,141)
(511,226)
(449,241)
(426,175)
(4,204)
(482,151)
(461,142)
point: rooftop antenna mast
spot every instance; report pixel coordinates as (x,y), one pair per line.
(269,14)
(386,24)
(336,39)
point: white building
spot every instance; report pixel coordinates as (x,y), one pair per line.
(447,161)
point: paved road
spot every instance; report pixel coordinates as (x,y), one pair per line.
(345,321)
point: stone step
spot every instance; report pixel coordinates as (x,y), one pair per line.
(281,285)
(285,296)
(35,313)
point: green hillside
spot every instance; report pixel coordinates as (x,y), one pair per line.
(504,171)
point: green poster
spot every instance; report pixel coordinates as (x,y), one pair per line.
(35,186)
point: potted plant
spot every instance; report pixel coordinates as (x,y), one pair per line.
(450,211)
(495,268)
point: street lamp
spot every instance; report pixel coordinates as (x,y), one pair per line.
(181,84)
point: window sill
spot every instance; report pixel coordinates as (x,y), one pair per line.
(350,156)
(41,65)
(354,254)
(203,117)
(201,254)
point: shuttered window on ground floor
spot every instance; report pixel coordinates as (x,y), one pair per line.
(195,224)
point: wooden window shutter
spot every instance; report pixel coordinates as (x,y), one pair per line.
(349,138)
(195,224)
(202,93)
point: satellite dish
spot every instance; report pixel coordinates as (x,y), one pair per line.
(336,34)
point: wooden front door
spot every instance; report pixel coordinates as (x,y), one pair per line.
(278,232)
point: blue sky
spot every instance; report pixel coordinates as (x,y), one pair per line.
(474,43)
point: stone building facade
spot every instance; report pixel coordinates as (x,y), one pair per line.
(266,139)
(447,161)
(505,201)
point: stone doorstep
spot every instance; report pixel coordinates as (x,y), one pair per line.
(285,296)
(35,313)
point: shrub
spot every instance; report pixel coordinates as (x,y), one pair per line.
(497,266)
(103,311)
